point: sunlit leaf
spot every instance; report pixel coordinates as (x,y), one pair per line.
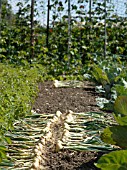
(8,140)
(116,160)
(121,120)
(116,135)
(120,110)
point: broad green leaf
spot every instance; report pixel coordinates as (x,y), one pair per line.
(116,160)
(8,140)
(100,76)
(106,136)
(120,106)
(3,148)
(116,135)
(2,154)
(120,110)
(120,90)
(121,120)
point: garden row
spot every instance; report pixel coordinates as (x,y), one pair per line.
(110,76)
(18,89)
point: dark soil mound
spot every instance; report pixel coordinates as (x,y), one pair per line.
(51,99)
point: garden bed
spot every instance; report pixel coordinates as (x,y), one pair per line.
(51,99)
(63,132)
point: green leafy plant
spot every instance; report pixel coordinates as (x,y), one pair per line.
(100,75)
(114,160)
(18,89)
(116,135)
(108,76)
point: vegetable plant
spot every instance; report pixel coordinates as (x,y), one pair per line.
(18,89)
(116,135)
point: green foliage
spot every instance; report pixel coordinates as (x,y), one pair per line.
(115,160)
(120,110)
(3,150)
(120,90)
(116,135)
(120,106)
(87,37)
(100,76)
(109,75)
(15,35)
(18,89)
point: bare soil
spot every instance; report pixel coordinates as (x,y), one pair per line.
(51,99)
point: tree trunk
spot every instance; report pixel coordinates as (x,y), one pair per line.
(69,28)
(105,31)
(48,16)
(32,29)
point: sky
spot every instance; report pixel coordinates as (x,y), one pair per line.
(119,8)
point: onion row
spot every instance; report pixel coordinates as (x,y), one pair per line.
(33,137)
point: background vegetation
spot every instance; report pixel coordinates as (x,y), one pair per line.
(94,30)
